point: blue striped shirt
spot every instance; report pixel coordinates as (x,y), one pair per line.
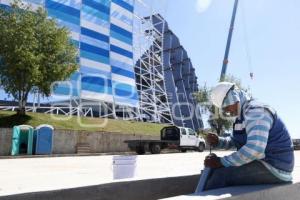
(257,123)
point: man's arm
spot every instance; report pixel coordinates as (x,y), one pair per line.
(258,124)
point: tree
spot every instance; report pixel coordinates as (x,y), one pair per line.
(34,52)
(216,122)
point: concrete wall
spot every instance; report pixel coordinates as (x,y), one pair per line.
(5,141)
(65,141)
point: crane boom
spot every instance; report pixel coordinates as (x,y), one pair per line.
(225,61)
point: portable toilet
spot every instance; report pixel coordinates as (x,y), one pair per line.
(22,140)
(43,138)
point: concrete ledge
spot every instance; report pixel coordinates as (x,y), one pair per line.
(129,190)
(249,192)
(290,192)
(164,188)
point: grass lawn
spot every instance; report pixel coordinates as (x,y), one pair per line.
(8,119)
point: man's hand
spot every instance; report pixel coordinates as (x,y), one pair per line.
(212,139)
(212,161)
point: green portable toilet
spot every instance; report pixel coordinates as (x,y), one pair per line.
(22,140)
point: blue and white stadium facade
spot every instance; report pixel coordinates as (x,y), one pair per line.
(102,31)
(109,80)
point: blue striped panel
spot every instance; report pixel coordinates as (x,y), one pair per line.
(94,42)
(94,34)
(96,80)
(126,94)
(75,76)
(89,70)
(96,84)
(124,19)
(63,16)
(97,6)
(64,89)
(93,49)
(71,26)
(95,20)
(72,3)
(96,88)
(120,37)
(130,2)
(61,90)
(94,12)
(94,57)
(104,2)
(119,71)
(122,93)
(124,4)
(124,86)
(121,31)
(121,51)
(120,64)
(62,8)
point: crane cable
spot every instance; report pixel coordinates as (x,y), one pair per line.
(247,48)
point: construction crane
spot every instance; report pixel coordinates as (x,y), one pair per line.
(230,33)
(225,60)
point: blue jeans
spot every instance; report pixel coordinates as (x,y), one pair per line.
(253,173)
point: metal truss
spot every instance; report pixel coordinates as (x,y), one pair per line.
(154,105)
(81,107)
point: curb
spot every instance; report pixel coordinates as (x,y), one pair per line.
(129,190)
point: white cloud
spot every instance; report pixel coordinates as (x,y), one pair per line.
(202,5)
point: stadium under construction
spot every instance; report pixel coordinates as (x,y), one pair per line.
(132,66)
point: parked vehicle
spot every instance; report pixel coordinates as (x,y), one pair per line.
(296,143)
(171,137)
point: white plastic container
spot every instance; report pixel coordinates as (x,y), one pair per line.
(124,166)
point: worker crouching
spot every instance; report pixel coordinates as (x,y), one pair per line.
(264,153)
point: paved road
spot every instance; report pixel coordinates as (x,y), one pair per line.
(42,174)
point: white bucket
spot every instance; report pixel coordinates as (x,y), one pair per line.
(124,167)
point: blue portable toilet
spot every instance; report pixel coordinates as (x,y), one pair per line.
(43,139)
(22,140)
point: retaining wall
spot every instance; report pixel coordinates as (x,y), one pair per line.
(65,141)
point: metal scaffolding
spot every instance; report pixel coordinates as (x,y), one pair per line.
(154,105)
(180,79)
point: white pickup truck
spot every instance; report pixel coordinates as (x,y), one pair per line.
(171,137)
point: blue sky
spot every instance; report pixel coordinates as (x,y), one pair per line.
(269,29)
